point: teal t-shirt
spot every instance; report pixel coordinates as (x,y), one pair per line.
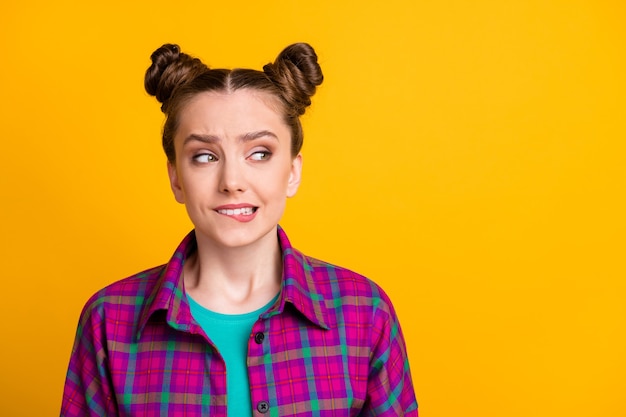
(231,333)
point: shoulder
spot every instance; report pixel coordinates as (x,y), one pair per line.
(356,306)
(341,285)
(122,297)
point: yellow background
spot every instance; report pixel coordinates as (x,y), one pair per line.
(467,155)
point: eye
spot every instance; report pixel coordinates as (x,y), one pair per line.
(204,158)
(260,155)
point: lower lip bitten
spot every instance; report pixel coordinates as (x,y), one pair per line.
(246,211)
(243,215)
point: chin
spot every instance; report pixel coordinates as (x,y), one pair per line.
(238,237)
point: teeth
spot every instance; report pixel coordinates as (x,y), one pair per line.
(246,211)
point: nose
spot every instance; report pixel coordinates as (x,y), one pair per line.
(231,177)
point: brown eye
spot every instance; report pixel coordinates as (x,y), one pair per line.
(260,156)
(205,158)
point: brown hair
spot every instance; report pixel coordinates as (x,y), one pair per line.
(175,77)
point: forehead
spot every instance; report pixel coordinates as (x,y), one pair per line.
(243,108)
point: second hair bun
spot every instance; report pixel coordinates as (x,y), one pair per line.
(297,73)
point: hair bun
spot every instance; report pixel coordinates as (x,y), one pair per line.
(298,74)
(170,68)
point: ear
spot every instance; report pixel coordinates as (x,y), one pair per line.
(295,175)
(177,189)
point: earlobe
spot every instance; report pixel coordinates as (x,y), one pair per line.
(295,176)
(175,183)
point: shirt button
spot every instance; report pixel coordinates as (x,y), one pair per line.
(263,407)
(258,338)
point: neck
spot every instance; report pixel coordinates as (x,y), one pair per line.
(234,280)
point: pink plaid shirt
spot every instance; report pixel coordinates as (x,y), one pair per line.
(331,345)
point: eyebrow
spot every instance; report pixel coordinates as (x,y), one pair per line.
(243,138)
(255,135)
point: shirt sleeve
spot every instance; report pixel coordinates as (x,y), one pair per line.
(390,389)
(88,389)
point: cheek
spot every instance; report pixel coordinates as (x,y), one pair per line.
(196,186)
(284,184)
(274,191)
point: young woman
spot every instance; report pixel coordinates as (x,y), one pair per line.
(238,322)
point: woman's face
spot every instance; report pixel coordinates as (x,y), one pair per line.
(234,169)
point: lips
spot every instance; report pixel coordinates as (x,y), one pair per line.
(240,212)
(246,211)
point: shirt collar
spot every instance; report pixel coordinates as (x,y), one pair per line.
(299,288)
(168,295)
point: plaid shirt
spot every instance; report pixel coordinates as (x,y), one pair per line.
(330,346)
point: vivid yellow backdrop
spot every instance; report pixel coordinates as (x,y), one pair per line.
(467,155)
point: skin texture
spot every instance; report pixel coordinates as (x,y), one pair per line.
(234,152)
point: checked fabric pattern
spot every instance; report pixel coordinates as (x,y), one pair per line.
(331,345)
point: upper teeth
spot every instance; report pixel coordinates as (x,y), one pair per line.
(245,211)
